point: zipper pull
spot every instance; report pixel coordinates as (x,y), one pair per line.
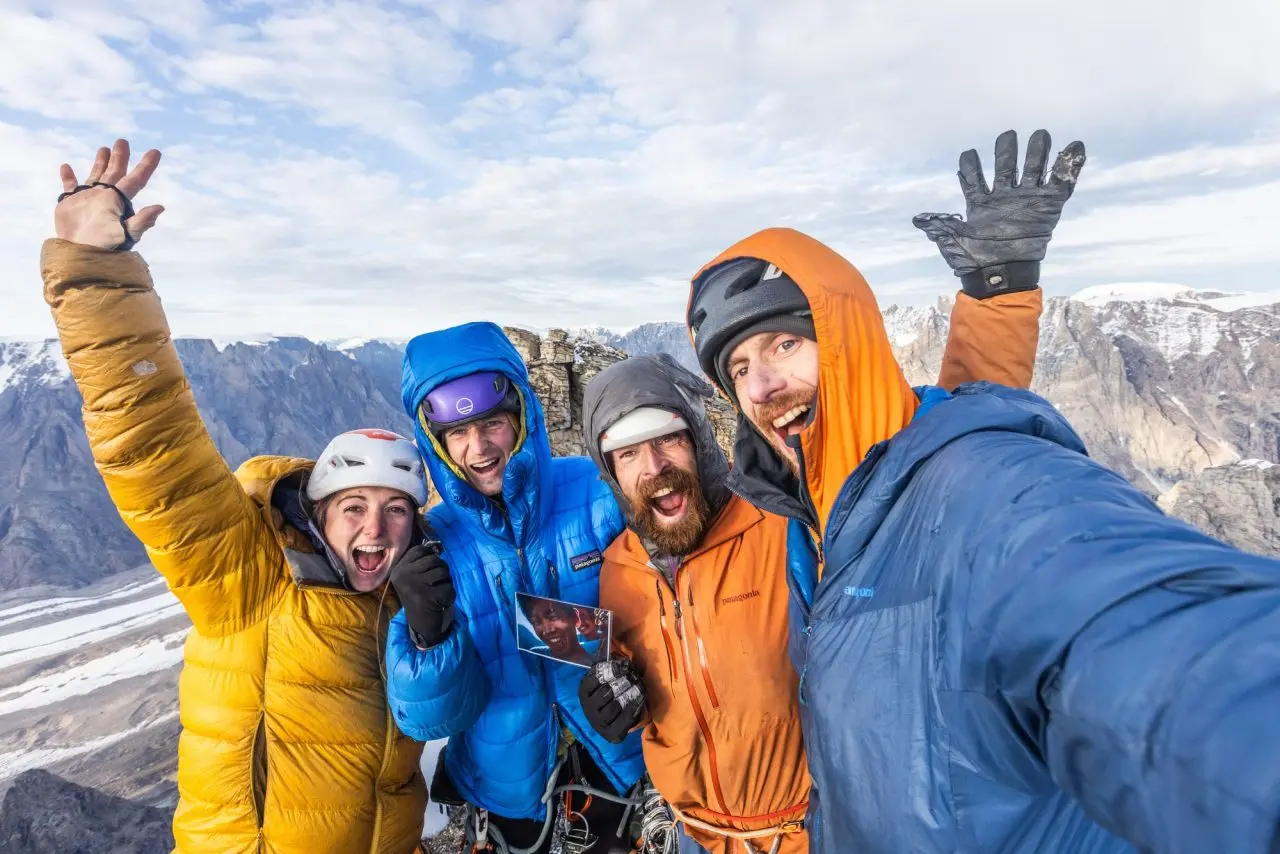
(679,619)
(801,691)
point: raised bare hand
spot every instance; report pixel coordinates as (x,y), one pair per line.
(100,211)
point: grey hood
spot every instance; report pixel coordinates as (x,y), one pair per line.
(656,380)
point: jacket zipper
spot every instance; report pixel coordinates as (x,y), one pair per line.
(697,704)
(388,740)
(555,578)
(666,635)
(702,652)
(816,537)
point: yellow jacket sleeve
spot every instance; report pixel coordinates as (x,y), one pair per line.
(993,339)
(164,474)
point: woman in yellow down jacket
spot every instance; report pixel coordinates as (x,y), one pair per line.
(287,743)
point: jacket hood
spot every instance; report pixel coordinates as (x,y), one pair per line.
(437,357)
(863,397)
(655,380)
(276,484)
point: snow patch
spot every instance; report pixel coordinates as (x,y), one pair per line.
(1159,484)
(1252,463)
(904,324)
(13,764)
(1099,295)
(436,818)
(45,607)
(1235,302)
(1187,412)
(222,344)
(75,632)
(138,660)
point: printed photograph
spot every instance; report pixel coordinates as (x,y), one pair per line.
(564,631)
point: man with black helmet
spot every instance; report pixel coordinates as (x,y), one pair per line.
(1005,646)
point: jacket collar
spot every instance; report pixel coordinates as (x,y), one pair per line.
(733,520)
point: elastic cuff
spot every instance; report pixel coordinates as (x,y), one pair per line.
(1002,279)
(422,643)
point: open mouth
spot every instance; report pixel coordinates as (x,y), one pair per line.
(669,505)
(371,560)
(791,422)
(485,467)
(556,641)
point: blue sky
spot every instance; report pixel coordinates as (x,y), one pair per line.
(362,169)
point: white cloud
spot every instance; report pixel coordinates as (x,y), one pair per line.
(376,169)
(45,69)
(347,64)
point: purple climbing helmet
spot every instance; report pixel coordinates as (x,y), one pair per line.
(468,399)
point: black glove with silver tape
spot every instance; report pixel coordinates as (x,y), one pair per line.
(998,247)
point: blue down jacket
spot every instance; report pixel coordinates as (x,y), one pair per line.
(1013,650)
(503,710)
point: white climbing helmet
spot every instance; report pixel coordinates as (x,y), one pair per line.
(369,457)
(640,425)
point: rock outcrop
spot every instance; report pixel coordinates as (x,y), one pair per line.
(45,814)
(1238,503)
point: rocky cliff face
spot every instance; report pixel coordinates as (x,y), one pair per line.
(45,814)
(289,396)
(560,366)
(1162,383)
(1238,503)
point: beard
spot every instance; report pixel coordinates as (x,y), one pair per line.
(775,408)
(671,540)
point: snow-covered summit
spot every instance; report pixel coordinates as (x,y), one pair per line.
(1099,295)
(31,361)
(1130,292)
(1179,320)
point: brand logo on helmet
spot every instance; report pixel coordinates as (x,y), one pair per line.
(375,433)
(465,405)
(771,272)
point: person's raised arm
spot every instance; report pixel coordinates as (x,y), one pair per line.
(169,483)
(996,252)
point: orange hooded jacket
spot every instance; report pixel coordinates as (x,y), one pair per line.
(863,396)
(722,741)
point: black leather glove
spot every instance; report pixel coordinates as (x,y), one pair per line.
(422,581)
(998,249)
(612,698)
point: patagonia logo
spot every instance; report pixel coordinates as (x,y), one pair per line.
(582,561)
(860,592)
(741,597)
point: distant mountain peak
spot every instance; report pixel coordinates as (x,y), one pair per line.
(32,361)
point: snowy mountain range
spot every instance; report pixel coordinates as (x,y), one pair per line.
(1176,389)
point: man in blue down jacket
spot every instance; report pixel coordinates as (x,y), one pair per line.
(512,518)
(1008,647)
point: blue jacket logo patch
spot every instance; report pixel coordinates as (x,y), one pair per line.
(582,561)
(860,592)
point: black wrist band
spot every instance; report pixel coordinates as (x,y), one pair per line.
(1002,279)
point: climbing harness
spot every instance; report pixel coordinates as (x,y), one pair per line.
(746,837)
(562,822)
